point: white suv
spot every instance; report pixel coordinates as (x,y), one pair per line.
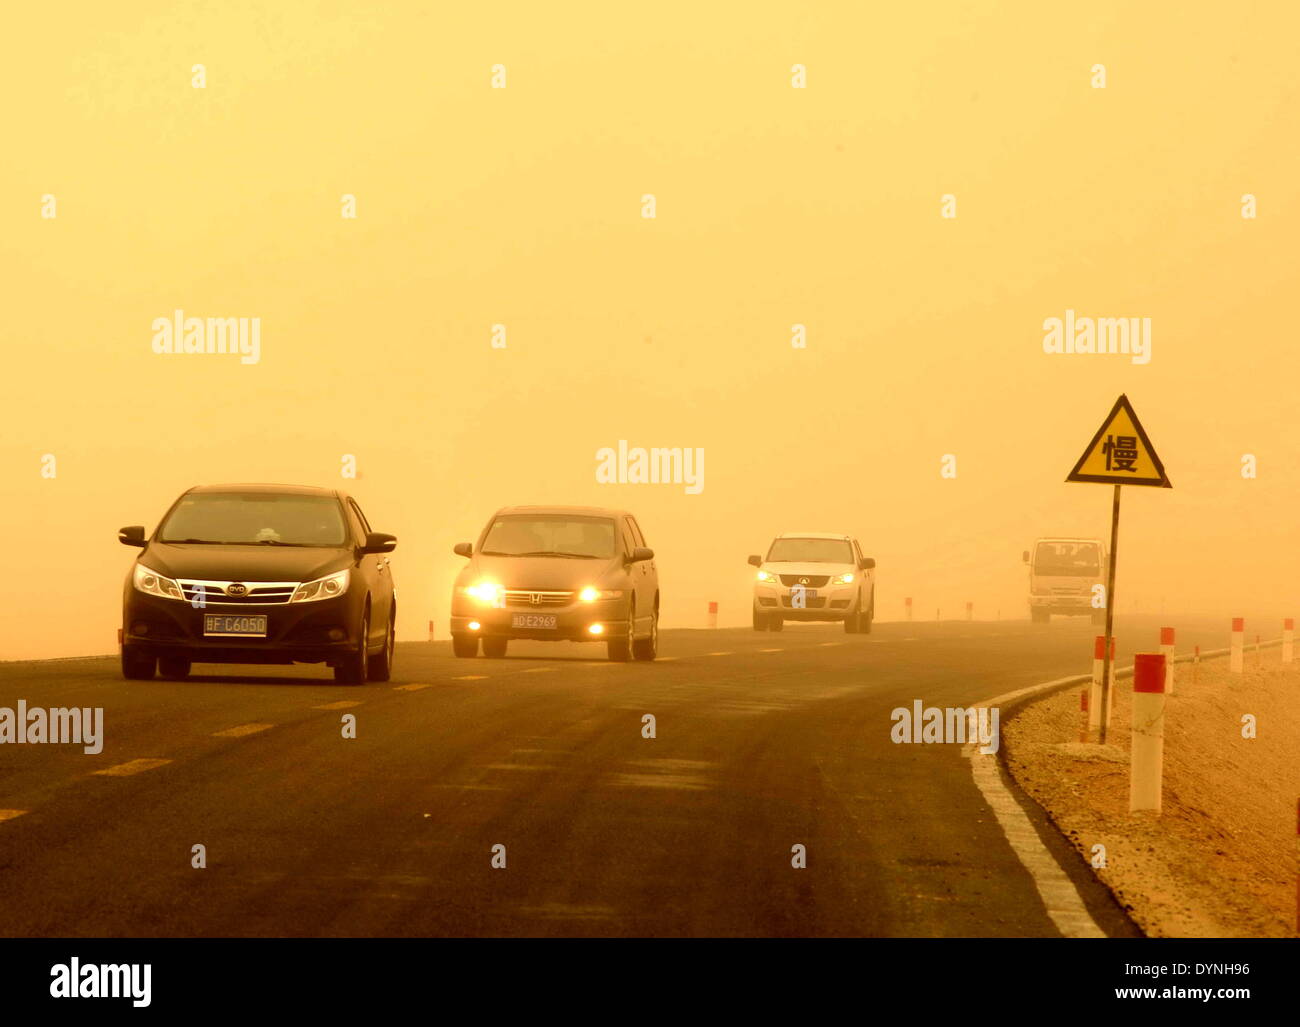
(813,575)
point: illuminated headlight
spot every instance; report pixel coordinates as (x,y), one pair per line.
(768,578)
(155,584)
(842,579)
(485,592)
(590,594)
(322,588)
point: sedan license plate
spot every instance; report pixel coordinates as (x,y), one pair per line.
(533,620)
(234,624)
(808,593)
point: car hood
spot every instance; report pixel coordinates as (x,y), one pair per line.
(244,563)
(537,572)
(809,569)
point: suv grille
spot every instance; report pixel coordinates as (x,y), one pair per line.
(810,580)
(260,593)
(524,597)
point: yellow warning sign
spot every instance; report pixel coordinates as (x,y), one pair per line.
(1120,453)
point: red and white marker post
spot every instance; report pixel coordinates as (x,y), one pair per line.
(970,611)
(1167,647)
(1083,722)
(1288,639)
(1147,756)
(1196,663)
(1237,657)
(1096,706)
(430,631)
(713,615)
(907,605)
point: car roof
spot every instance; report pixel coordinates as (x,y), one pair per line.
(581,511)
(296,490)
(838,536)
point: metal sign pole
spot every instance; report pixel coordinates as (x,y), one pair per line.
(1110,617)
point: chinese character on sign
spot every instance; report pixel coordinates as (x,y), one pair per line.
(1121,452)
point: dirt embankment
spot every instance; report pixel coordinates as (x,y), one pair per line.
(1221,859)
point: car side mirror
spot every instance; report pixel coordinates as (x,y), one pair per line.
(463,549)
(378,542)
(640,554)
(868,563)
(132,536)
(1025,556)
(756,561)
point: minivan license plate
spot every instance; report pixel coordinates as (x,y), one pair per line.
(234,624)
(533,620)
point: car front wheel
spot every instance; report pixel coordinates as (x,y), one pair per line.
(137,666)
(620,649)
(380,668)
(464,646)
(648,648)
(352,671)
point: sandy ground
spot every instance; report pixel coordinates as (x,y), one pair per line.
(1221,859)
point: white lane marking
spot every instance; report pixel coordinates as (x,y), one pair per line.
(132,767)
(470,677)
(666,659)
(537,670)
(718,654)
(913,638)
(824,644)
(410,688)
(771,650)
(9,814)
(342,704)
(240,730)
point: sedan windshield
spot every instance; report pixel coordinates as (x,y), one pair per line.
(810,550)
(557,535)
(255,518)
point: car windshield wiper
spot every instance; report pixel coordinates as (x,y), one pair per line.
(192,542)
(277,542)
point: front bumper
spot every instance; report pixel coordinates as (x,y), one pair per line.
(1062,603)
(573,621)
(319,632)
(831,603)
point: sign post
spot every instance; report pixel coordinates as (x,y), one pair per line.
(1119,454)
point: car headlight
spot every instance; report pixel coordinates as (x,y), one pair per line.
(485,592)
(322,588)
(155,584)
(590,594)
(842,579)
(768,578)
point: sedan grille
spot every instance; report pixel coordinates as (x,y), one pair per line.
(810,580)
(259,593)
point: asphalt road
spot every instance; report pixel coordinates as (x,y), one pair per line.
(764,741)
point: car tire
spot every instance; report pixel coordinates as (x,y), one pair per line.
(465,646)
(137,666)
(760,620)
(380,668)
(648,648)
(853,618)
(864,625)
(1039,616)
(620,649)
(775,622)
(173,668)
(495,648)
(352,671)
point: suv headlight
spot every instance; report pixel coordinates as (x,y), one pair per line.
(769,578)
(328,587)
(486,592)
(842,579)
(155,584)
(590,594)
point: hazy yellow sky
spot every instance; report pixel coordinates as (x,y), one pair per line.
(775,206)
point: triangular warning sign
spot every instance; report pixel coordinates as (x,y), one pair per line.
(1120,453)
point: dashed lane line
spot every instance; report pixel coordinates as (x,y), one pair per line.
(342,704)
(9,814)
(240,730)
(132,767)
(410,688)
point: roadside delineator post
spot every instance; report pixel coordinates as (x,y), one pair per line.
(713,615)
(907,603)
(1096,705)
(1147,755)
(430,631)
(970,608)
(1196,663)
(1083,705)
(1237,657)
(1167,647)
(1259,657)
(1288,639)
